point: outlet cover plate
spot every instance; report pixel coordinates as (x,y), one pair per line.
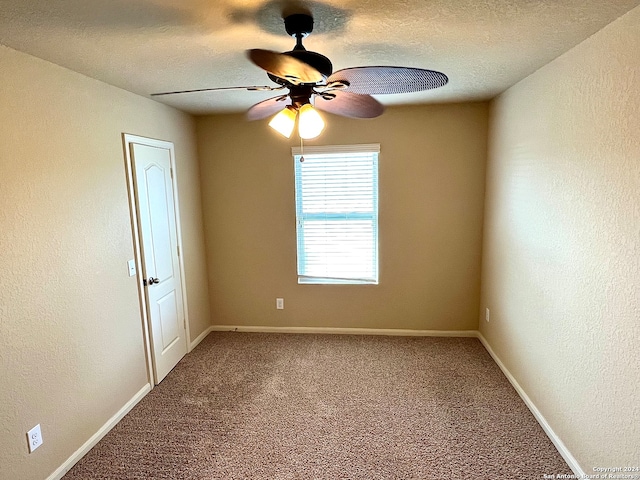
(34,436)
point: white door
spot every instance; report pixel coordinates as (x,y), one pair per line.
(155,206)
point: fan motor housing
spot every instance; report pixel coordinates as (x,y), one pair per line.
(316,60)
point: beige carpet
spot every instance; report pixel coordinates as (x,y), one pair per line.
(275,406)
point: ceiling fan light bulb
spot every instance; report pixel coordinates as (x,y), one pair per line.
(310,123)
(284,122)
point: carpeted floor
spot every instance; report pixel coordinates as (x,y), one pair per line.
(278,406)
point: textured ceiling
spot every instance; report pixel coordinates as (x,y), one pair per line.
(147,46)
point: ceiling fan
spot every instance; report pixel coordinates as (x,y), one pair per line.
(310,81)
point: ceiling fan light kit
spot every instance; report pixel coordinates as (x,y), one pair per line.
(310,123)
(312,85)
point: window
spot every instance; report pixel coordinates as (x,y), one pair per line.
(337,214)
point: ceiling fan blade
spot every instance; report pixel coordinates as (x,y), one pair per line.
(349,104)
(285,66)
(383,80)
(250,88)
(268,107)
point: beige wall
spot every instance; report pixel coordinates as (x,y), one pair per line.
(561,265)
(432,166)
(71,349)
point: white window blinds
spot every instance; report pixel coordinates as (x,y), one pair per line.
(337,214)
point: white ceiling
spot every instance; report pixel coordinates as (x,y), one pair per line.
(147,46)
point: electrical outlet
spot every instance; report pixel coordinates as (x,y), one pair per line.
(34,437)
(486,314)
(280,303)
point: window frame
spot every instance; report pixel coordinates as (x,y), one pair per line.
(373,216)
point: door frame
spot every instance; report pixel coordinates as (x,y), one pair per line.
(127,139)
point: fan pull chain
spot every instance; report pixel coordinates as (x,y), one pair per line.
(301,150)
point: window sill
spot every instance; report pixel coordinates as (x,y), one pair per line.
(334,281)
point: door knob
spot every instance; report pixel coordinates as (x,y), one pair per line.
(152,280)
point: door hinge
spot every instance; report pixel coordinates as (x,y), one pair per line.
(178,248)
(171,170)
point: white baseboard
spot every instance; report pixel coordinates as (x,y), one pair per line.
(562,449)
(89,444)
(346,331)
(199,338)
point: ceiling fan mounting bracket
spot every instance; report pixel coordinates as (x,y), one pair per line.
(298,25)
